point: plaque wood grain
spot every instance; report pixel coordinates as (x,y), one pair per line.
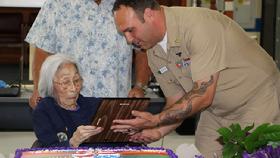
(115,108)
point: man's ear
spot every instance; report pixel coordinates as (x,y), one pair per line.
(148,14)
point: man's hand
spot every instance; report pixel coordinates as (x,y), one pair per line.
(82,133)
(143,120)
(146,136)
(34,99)
(136,92)
(39,57)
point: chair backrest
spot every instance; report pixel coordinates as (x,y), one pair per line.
(36,144)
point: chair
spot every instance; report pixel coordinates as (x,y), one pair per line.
(36,144)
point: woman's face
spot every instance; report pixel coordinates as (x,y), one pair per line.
(67,85)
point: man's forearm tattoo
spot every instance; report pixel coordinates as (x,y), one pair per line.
(171,115)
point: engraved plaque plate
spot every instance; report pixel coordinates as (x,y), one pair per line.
(115,108)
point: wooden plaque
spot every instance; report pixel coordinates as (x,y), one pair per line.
(111,109)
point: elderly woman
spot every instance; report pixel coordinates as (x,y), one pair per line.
(63,116)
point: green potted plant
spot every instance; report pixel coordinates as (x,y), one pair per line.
(262,142)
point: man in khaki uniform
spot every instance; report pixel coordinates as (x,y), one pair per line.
(204,62)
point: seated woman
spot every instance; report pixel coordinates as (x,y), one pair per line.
(63,116)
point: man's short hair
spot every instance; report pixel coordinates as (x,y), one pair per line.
(138,6)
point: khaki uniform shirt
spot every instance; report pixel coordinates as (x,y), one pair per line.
(201,42)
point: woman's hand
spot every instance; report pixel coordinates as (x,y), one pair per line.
(82,133)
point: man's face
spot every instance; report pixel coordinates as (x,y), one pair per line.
(139,33)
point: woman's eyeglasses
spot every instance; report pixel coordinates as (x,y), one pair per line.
(67,83)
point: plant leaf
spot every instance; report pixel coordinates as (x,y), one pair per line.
(248,128)
(225,133)
(255,140)
(237,141)
(273,136)
(228,151)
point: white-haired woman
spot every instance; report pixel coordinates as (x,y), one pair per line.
(63,116)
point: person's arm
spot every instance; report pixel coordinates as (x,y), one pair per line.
(43,126)
(148,136)
(151,135)
(82,133)
(199,98)
(170,101)
(39,57)
(143,74)
(46,122)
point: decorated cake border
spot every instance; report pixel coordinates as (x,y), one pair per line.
(170,153)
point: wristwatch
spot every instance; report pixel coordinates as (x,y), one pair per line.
(141,85)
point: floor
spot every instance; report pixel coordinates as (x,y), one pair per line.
(10,141)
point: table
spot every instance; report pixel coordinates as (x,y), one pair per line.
(15,113)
